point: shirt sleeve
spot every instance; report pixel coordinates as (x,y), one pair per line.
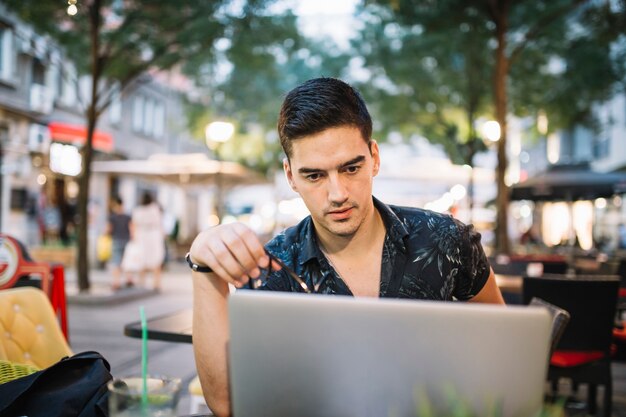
(475,267)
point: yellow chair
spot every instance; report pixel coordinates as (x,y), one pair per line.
(29,331)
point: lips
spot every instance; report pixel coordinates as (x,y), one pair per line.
(340,214)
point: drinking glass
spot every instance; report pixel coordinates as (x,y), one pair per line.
(125,397)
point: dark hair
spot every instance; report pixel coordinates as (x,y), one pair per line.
(146,199)
(320,104)
(118,200)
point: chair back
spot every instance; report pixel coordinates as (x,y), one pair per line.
(591,302)
(29,330)
(15,262)
(560,319)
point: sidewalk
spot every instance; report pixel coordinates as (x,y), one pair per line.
(99,325)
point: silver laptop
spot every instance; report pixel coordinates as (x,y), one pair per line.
(332,356)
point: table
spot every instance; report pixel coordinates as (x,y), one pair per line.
(177,326)
(509,283)
(172,327)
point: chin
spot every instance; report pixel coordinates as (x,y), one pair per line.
(344,230)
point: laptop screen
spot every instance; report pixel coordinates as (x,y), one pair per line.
(315,355)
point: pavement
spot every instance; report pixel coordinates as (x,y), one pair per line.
(97,319)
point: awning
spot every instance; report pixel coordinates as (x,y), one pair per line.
(77,135)
(570,183)
(182,169)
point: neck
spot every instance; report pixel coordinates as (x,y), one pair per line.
(371,230)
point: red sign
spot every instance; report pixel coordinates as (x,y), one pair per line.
(76,134)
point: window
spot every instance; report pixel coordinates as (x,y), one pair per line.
(68,85)
(138,114)
(601,147)
(39,72)
(115,109)
(148,122)
(159,120)
(7,54)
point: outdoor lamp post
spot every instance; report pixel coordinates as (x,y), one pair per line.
(216,134)
(491,131)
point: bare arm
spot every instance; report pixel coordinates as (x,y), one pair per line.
(235,254)
(490,293)
(210,339)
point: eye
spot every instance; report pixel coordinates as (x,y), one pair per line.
(313,177)
(352,169)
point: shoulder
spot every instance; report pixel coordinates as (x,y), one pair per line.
(288,238)
(293,244)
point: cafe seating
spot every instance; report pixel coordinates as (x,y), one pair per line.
(583,355)
(29,331)
(560,319)
(16,264)
(17,269)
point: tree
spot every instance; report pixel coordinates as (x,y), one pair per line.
(437,73)
(115,42)
(252,91)
(524,39)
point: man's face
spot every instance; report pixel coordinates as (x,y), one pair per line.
(333,172)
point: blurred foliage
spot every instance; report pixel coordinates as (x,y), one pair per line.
(428,58)
(432,63)
(265,57)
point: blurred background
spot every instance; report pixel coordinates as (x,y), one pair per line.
(508,115)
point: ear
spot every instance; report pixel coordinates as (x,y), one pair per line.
(289,174)
(375,157)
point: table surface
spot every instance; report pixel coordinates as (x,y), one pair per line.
(509,283)
(173,327)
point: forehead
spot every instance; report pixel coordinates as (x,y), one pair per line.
(328,148)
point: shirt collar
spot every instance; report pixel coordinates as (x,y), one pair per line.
(396,230)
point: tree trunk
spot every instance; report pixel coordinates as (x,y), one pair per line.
(500,102)
(471,152)
(82,266)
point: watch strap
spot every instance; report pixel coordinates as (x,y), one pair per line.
(196,267)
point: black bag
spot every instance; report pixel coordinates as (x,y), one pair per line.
(76,386)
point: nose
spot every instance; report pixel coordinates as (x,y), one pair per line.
(337,191)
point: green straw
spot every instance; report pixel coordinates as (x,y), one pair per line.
(144,358)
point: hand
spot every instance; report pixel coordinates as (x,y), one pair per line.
(233,251)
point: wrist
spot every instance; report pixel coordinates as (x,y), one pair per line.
(195,266)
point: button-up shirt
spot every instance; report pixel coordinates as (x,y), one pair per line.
(426,255)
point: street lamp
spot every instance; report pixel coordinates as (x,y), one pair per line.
(491,131)
(216,134)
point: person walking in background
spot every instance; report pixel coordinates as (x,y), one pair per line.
(119,229)
(147,234)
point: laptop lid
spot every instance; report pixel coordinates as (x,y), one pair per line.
(315,355)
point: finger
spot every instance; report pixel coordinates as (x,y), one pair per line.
(220,271)
(276,266)
(238,248)
(224,258)
(253,245)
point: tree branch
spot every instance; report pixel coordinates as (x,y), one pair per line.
(541,25)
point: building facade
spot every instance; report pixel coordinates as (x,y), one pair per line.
(42,127)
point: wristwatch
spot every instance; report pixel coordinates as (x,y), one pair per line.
(196,267)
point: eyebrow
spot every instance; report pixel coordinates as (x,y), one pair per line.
(353,161)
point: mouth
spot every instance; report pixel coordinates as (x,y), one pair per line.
(341,214)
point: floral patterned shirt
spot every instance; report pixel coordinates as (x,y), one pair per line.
(426,255)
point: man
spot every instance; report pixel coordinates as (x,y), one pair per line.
(352,244)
